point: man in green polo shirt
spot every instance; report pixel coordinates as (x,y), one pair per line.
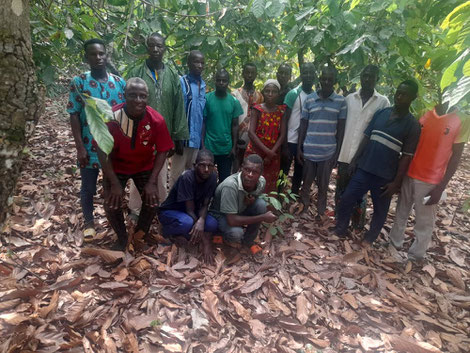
(237,204)
(220,129)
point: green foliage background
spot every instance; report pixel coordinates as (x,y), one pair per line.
(425,39)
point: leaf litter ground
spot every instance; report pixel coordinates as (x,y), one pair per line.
(311,291)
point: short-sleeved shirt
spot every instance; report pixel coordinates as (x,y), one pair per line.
(230,195)
(150,135)
(187,188)
(111,91)
(359,116)
(218,115)
(388,139)
(438,135)
(322,115)
(194,94)
(294,100)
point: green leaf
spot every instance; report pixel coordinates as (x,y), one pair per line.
(257,7)
(292,33)
(379,5)
(275,203)
(98,112)
(317,39)
(448,77)
(455,95)
(453,17)
(275,9)
(351,48)
(273,230)
(304,14)
(354,3)
(466,68)
(48,75)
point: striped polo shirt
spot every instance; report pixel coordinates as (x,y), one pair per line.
(388,139)
(322,115)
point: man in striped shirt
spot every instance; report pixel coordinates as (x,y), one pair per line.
(382,161)
(320,136)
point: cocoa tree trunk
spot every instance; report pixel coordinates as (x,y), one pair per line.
(20,97)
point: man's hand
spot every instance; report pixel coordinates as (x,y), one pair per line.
(170,153)
(233,152)
(150,195)
(179,147)
(390,189)
(352,168)
(196,232)
(435,195)
(115,196)
(300,156)
(269,217)
(82,157)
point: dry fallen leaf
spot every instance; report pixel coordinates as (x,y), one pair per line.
(349,298)
(252,284)
(43,312)
(210,306)
(302,309)
(109,256)
(257,328)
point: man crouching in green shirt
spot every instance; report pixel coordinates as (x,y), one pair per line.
(237,204)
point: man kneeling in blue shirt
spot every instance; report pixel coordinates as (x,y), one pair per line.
(183,215)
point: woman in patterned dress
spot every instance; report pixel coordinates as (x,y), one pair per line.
(267,131)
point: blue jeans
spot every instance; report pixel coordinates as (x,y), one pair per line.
(360,183)
(239,234)
(180,223)
(89,177)
(224,166)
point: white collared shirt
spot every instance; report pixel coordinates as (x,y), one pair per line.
(357,120)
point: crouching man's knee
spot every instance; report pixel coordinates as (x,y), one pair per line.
(259,207)
(234,234)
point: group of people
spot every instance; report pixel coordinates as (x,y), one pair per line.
(169,134)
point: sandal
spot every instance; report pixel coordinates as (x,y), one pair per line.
(255,249)
(89,234)
(217,239)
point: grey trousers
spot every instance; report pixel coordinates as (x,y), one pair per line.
(412,193)
(181,163)
(319,172)
(239,234)
(135,201)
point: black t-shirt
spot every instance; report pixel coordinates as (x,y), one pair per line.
(187,188)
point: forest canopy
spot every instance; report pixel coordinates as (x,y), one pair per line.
(427,40)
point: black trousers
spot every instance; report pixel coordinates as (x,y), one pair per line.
(116,216)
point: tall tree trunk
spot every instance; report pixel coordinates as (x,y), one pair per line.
(22,100)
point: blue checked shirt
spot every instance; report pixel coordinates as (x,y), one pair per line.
(322,116)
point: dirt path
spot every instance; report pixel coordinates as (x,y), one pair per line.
(312,293)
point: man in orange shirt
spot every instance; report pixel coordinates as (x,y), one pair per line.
(440,147)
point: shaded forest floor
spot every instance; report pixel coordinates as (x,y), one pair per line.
(313,292)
